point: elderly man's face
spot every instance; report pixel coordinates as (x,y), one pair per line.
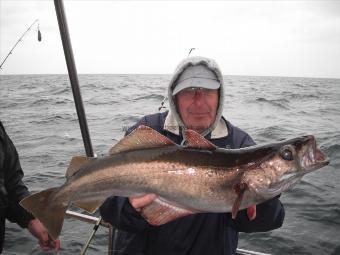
(197,107)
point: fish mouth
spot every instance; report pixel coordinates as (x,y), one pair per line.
(309,159)
(313,158)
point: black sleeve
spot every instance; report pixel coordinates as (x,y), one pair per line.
(118,210)
(14,186)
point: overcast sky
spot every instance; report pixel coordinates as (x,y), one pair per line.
(272,38)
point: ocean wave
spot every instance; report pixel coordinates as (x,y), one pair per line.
(273,133)
(328,213)
(55,118)
(333,150)
(8,105)
(281,103)
(299,85)
(27,85)
(150,96)
(303,96)
(126,118)
(105,100)
(311,185)
(61,91)
(40,101)
(63,101)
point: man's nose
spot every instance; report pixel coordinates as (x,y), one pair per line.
(199,97)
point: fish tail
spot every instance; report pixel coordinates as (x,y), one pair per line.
(50,215)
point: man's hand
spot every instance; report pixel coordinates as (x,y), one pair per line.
(139,202)
(46,242)
(251,212)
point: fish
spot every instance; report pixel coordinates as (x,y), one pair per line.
(195,178)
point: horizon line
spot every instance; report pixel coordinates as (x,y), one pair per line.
(247,75)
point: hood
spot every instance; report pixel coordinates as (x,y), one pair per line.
(173,121)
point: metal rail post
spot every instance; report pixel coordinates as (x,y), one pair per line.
(72,72)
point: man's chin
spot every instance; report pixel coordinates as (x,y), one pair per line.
(197,127)
(198,122)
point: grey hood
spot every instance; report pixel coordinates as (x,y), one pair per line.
(173,120)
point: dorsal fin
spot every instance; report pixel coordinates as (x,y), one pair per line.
(239,188)
(195,140)
(76,163)
(142,137)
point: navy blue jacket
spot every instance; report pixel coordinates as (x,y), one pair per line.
(206,233)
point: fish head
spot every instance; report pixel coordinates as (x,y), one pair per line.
(287,163)
(300,156)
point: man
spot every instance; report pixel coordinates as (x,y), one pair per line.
(196,96)
(12,190)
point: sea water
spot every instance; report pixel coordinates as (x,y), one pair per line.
(38,113)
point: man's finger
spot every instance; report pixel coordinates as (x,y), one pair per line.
(57,245)
(53,244)
(139,202)
(44,246)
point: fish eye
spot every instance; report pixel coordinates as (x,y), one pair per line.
(287,154)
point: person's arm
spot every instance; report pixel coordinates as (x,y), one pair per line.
(16,190)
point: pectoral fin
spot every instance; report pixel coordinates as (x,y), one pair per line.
(239,188)
(160,212)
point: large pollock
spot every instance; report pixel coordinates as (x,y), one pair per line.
(195,178)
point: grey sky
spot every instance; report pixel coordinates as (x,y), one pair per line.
(276,38)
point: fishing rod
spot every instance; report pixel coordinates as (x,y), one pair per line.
(191,49)
(20,39)
(72,72)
